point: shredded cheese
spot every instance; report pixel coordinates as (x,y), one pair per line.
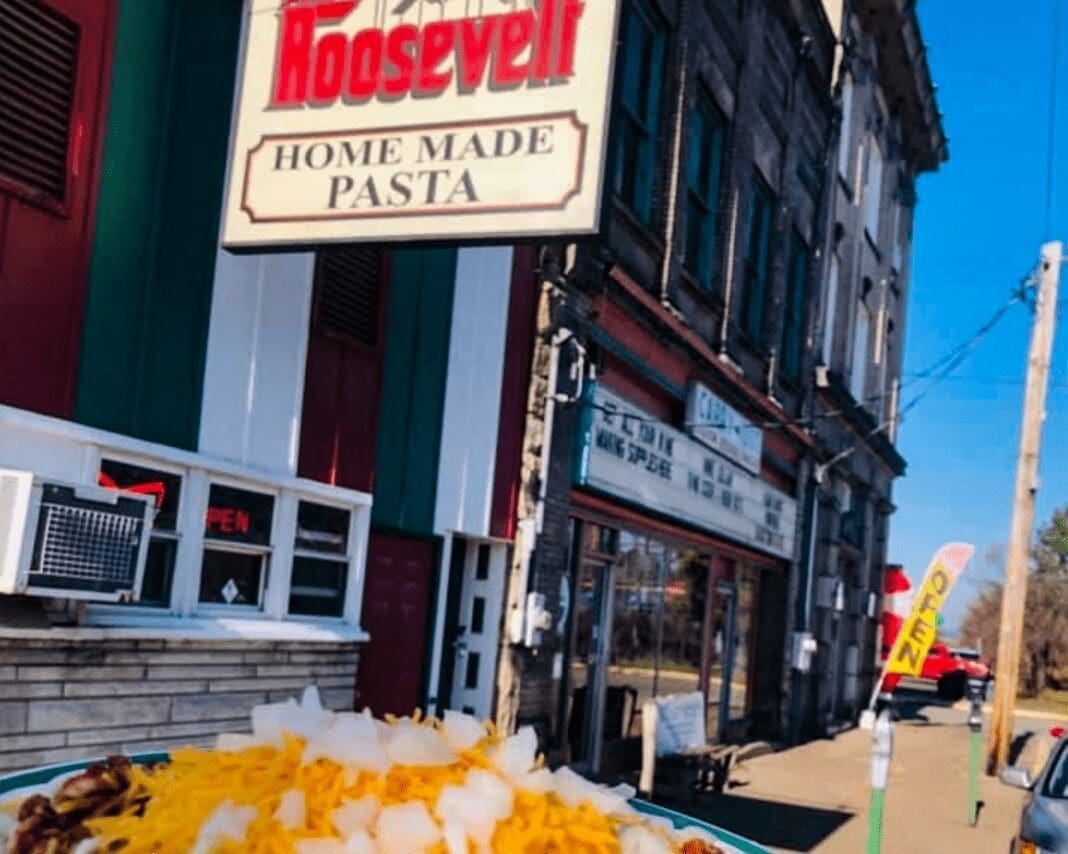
(184,794)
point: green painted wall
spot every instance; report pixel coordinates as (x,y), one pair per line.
(421,289)
(149,301)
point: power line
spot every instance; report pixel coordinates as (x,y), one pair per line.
(936,373)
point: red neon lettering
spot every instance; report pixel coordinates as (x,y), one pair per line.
(227,520)
(517,32)
(435,45)
(476,38)
(154,487)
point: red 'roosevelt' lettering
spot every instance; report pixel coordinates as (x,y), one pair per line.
(474,50)
(435,45)
(517,32)
(295,45)
(565,63)
(330,55)
(398,80)
(365,65)
(294,55)
(513,49)
(543,48)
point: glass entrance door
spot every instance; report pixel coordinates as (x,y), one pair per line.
(588,661)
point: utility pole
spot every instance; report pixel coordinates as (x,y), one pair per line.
(1014,596)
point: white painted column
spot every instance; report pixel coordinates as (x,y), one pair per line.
(257,349)
(471,413)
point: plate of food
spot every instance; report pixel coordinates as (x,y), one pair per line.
(310,781)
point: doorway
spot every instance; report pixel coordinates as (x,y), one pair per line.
(478,570)
(396,607)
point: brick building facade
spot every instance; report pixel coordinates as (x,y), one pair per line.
(706,277)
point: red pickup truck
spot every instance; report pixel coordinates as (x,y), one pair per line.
(949,669)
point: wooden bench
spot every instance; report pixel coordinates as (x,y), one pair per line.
(676,756)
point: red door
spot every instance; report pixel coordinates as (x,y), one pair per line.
(396,609)
(55,58)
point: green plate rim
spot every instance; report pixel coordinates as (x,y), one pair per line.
(43,775)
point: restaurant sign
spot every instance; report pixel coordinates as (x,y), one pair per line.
(720,426)
(419,119)
(628,454)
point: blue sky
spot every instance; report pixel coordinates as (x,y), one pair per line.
(979,226)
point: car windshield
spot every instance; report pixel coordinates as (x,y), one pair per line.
(1057,781)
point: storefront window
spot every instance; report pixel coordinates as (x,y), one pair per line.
(165,488)
(237,534)
(320,561)
(649,599)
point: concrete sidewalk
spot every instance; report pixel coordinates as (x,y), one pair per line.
(815,797)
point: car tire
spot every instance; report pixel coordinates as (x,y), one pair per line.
(953,686)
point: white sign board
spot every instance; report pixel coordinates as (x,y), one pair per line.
(721,427)
(633,456)
(680,723)
(361,120)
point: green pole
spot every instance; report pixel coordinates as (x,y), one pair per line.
(875,821)
(973,778)
(882,751)
(976,692)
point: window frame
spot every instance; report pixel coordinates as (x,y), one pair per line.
(175,536)
(757,270)
(794,308)
(265,551)
(197,474)
(710,147)
(627,124)
(345,558)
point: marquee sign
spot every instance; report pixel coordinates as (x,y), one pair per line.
(393,120)
(627,453)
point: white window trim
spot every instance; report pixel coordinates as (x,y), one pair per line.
(185,616)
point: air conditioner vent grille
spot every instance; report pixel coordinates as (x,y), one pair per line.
(91,547)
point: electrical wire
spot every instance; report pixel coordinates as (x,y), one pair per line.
(936,373)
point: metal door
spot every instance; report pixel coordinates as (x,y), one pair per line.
(396,606)
(478,635)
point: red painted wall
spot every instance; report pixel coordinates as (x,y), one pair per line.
(44,243)
(518,352)
(342,389)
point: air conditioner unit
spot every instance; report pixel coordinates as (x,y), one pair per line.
(71,541)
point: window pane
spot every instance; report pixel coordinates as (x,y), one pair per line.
(239,515)
(230,578)
(757,264)
(317,588)
(165,487)
(859,377)
(322,529)
(159,573)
